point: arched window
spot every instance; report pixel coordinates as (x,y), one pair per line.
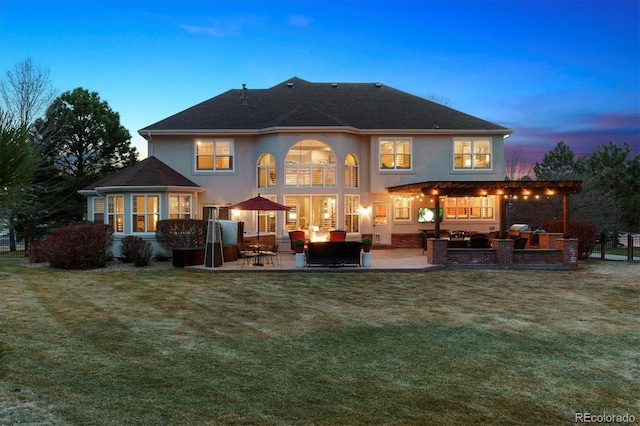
(351,171)
(266,171)
(310,163)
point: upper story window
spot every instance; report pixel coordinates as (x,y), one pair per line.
(310,163)
(266,171)
(472,153)
(351,171)
(115,212)
(179,206)
(214,154)
(395,153)
(146,212)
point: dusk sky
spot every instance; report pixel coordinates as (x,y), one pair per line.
(550,70)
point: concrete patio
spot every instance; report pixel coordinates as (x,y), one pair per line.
(381,260)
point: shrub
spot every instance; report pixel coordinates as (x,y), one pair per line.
(181,233)
(136,250)
(37,253)
(585,232)
(80,246)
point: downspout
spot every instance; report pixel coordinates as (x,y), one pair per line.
(149,144)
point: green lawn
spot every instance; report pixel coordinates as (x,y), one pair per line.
(443,347)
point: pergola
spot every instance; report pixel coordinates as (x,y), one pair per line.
(503,189)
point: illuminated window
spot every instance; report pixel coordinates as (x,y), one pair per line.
(310,163)
(214,154)
(470,154)
(267,219)
(315,212)
(395,153)
(115,212)
(146,212)
(351,171)
(266,171)
(352,213)
(402,210)
(469,207)
(179,206)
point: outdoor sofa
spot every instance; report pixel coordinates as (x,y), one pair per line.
(333,253)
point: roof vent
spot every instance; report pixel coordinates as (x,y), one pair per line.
(334,85)
(289,85)
(244,97)
(378,85)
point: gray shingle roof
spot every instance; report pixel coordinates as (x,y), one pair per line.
(299,103)
(146,173)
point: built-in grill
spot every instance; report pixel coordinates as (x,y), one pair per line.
(517,228)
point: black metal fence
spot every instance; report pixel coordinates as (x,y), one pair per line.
(617,246)
(20,245)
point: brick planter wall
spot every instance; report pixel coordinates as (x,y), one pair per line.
(547,240)
(537,257)
(502,254)
(504,251)
(406,240)
(437,251)
(471,256)
(570,251)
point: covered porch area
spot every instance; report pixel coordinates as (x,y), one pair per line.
(555,250)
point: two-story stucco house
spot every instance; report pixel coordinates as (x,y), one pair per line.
(327,150)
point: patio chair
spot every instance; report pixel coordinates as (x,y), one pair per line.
(337,235)
(272,255)
(478,241)
(293,236)
(520,243)
(457,235)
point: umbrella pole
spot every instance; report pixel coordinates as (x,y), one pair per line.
(259,259)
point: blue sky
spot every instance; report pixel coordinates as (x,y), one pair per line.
(551,70)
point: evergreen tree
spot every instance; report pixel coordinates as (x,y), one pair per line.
(615,175)
(558,164)
(82,141)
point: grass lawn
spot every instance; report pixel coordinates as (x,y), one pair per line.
(443,347)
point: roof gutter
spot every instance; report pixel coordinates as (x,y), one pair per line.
(112,189)
(335,129)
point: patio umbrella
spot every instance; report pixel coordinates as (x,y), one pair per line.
(259,204)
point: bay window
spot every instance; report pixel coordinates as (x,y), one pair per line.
(179,206)
(98,210)
(146,212)
(115,212)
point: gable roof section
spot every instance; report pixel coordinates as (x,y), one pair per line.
(149,172)
(299,103)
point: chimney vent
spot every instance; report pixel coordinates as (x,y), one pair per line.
(334,85)
(289,85)
(378,85)
(244,97)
